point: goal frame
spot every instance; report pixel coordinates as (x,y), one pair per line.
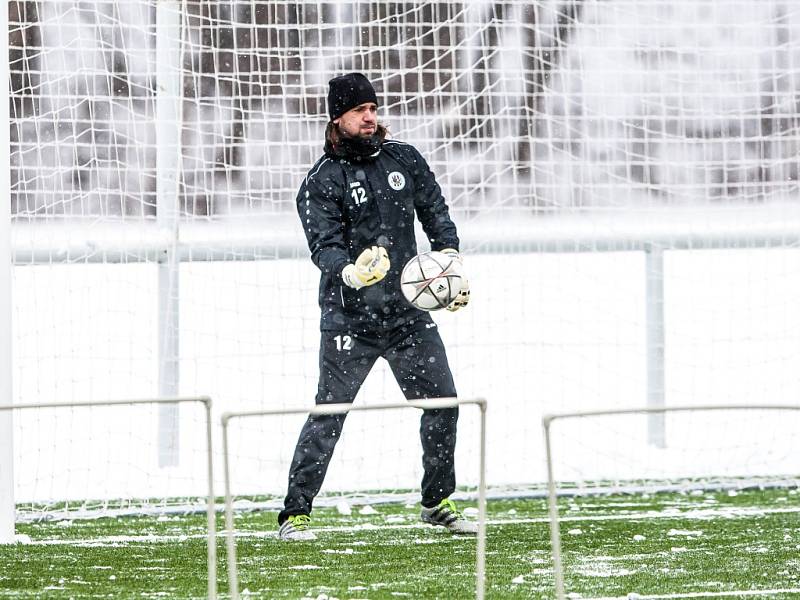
(6,257)
(552,489)
(161,402)
(344,408)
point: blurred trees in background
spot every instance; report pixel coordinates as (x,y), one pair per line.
(550,105)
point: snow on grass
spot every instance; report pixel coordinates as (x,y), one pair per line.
(519,564)
(684,532)
(677,596)
(603,566)
(404,522)
(395,519)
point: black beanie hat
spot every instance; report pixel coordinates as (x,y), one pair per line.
(348,91)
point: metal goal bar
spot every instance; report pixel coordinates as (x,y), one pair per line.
(210,508)
(341,408)
(552,499)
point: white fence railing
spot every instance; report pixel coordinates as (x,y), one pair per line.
(334,409)
(552,479)
(653,232)
(6,483)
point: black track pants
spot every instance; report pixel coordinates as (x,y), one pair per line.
(417,358)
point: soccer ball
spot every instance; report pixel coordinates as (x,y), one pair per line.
(431,280)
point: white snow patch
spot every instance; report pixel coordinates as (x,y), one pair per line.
(686,532)
(395,519)
(598,567)
(518,579)
(575,531)
(367,510)
(305,568)
(639,538)
(343,507)
(470,511)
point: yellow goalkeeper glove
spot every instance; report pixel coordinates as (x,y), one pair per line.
(370,267)
(462,299)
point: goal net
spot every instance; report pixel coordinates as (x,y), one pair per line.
(157,147)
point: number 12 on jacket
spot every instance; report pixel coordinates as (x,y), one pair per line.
(343,342)
(359,195)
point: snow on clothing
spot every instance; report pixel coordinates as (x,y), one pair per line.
(347,205)
(417,359)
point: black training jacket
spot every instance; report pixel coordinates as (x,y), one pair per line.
(347,205)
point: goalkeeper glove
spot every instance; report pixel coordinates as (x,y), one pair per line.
(462,299)
(370,267)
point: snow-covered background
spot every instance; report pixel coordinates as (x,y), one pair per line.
(561,124)
(548,105)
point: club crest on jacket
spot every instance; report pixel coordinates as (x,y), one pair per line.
(396,180)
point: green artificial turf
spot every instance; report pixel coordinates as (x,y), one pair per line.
(613,546)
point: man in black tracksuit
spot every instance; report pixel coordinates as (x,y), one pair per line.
(357,206)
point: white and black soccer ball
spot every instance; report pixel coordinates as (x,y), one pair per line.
(431,280)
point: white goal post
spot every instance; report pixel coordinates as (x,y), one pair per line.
(335,409)
(6,336)
(552,486)
(6,409)
(6,394)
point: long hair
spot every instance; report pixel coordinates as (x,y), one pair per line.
(333,134)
